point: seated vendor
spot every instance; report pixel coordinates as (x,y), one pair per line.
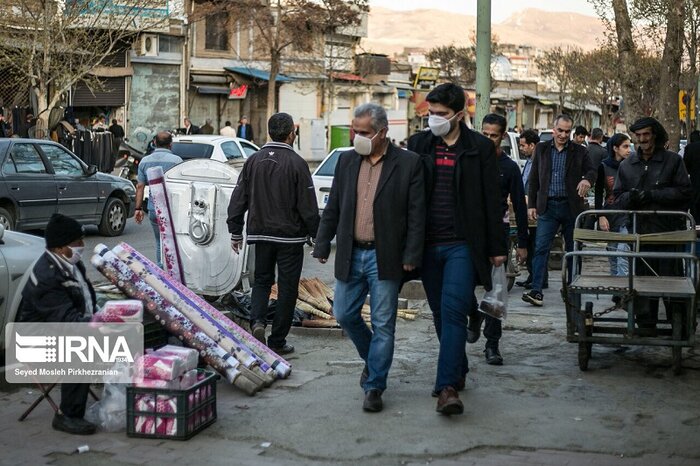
(58,291)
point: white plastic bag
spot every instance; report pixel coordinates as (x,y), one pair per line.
(109,413)
(495,302)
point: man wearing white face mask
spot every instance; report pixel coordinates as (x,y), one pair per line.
(58,291)
(376,211)
(464,233)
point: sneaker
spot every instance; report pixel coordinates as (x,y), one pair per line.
(524,283)
(493,356)
(373,401)
(474,326)
(449,402)
(73,425)
(286,349)
(259,333)
(533,297)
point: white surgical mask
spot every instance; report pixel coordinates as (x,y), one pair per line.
(77,254)
(363,144)
(440,126)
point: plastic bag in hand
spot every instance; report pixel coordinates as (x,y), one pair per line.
(495,301)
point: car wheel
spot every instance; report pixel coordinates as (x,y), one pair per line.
(113,218)
(7,219)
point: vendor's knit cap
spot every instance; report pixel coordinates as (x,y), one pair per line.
(62,231)
(656,127)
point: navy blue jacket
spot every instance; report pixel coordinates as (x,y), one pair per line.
(52,294)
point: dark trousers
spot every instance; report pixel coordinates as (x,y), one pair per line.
(289,259)
(647,309)
(531,236)
(73,399)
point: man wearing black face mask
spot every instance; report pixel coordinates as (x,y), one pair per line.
(464,236)
(59,291)
(376,211)
(276,190)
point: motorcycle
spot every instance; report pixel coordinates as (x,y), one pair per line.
(127,163)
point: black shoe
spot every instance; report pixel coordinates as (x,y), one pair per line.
(524,283)
(617,300)
(73,425)
(493,356)
(474,326)
(533,297)
(286,349)
(373,401)
(528,286)
(259,333)
(364,376)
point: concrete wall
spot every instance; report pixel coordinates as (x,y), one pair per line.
(155,97)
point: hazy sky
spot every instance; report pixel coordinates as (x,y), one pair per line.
(500,9)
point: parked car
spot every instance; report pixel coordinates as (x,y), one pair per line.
(547,135)
(39,178)
(225,149)
(323,176)
(18,252)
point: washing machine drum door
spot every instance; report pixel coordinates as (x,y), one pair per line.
(199,192)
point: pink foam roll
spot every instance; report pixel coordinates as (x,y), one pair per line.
(188,356)
(156,366)
(158,198)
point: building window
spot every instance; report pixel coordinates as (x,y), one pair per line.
(216,32)
(168,44)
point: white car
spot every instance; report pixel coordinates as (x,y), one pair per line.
(225,149)
(323,176)
(18,252)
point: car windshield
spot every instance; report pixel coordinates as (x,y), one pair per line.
(188,150)
(327,168)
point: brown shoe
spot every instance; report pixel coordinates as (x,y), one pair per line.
(459,386)
(449,402)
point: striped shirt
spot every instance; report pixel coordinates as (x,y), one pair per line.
(557,186)
(441,213)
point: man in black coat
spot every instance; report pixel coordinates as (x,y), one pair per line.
(512,192)
(560,178)
(244,130)
(58,291)
(464,231)
(654,179)
(376,212)
(276,190)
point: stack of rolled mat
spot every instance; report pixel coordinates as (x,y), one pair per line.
(226,347)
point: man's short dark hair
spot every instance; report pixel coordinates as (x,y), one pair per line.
(694,136)
(114,122)
(597,134)
(163,139)
(228,123)
(448,94)
(565,117)
(530,136)
(580,130)
(280,126)
(495,119)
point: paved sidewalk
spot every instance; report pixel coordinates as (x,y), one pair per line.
(628,409)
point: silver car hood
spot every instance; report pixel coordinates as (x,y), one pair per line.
(199,191)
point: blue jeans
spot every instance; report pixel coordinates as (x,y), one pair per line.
(449,280)
(156,232)
(618,265)
(558,214)
(376,346)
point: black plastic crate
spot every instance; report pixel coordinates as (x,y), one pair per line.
(188,411)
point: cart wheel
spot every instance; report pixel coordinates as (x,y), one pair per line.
(677,353)
(583,355)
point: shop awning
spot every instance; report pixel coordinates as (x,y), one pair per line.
(223,90)
(257,74)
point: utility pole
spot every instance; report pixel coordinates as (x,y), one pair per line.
(483,61)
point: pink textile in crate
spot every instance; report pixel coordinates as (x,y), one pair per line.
(126,310)
(188,380)
(188,356)
(155,366)
(156,383)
